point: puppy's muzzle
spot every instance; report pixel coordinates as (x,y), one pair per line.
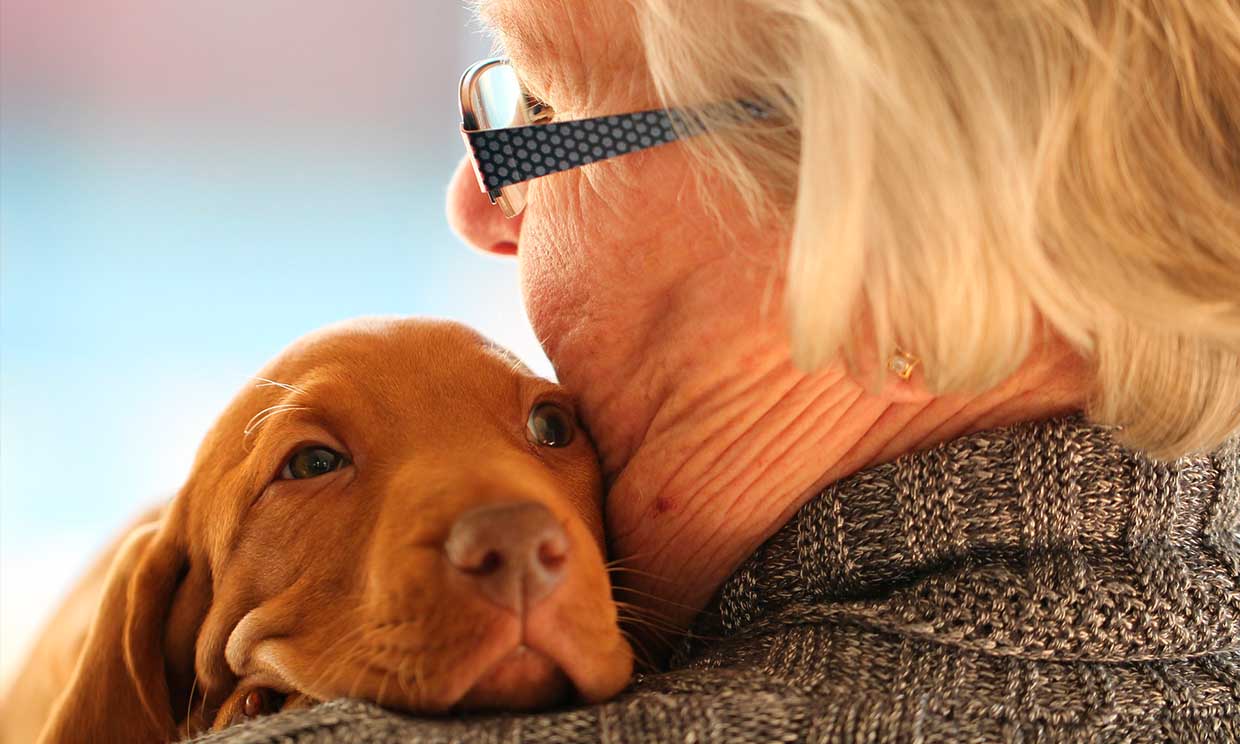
(513,553)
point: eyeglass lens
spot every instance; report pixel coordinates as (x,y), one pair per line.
(500,103)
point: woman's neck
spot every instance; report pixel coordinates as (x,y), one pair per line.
(712,449)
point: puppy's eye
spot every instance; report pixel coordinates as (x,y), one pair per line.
(311,462)
(549,425)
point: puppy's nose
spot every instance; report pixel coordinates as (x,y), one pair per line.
(515,553)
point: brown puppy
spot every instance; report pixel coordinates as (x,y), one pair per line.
(403,513)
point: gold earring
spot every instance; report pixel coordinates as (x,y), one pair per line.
(902,364)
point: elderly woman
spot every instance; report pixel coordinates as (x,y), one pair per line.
(913,361)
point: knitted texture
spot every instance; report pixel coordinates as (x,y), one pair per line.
(1037,583)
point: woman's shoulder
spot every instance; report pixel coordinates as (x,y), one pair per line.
(835,680)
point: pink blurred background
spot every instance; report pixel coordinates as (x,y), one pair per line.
(185,187)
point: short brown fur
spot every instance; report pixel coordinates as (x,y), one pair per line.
(335,586)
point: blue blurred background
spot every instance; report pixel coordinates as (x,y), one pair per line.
(184,189)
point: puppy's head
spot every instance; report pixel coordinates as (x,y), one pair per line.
(399,512)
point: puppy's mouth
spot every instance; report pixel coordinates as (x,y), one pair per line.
(541,659)
(532,664)
(520,666)
(522,679)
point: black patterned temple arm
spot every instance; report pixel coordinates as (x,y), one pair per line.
(508,156)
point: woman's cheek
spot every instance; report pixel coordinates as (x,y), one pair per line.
(552,277)
(599,243)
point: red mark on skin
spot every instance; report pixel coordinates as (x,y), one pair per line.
(662,505)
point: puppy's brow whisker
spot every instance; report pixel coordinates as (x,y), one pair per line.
(264,382)
(264,415)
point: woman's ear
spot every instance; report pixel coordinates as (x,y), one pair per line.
(120,689)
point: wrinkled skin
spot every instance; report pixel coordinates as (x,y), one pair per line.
(659,301)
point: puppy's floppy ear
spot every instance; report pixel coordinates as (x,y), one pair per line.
(149,596)
(120,690)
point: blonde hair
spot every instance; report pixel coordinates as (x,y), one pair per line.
(959,171)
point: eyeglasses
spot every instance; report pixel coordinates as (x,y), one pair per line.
(511,138)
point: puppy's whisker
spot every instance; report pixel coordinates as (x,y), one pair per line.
(662,636)
(347,637)
(360,641)
(641,610)
(347,659)
(264,382)
(624,559)
(645,657)
(189,703)
(635,572)
(387,673)
(419,675)
(663,632)
(658,624)
(265,415)
(659,633)
(362,661)
(627,559)
(652,624)
(400,679)
(202,711)
(636,644)
(635,619)
(656,598)
(353,657)
(648,618)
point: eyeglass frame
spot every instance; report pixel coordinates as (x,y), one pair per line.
(508,156)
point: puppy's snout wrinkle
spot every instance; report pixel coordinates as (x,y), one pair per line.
(514,553)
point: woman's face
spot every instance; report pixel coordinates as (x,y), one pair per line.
(610,254)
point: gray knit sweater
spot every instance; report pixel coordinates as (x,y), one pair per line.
(1037,583)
